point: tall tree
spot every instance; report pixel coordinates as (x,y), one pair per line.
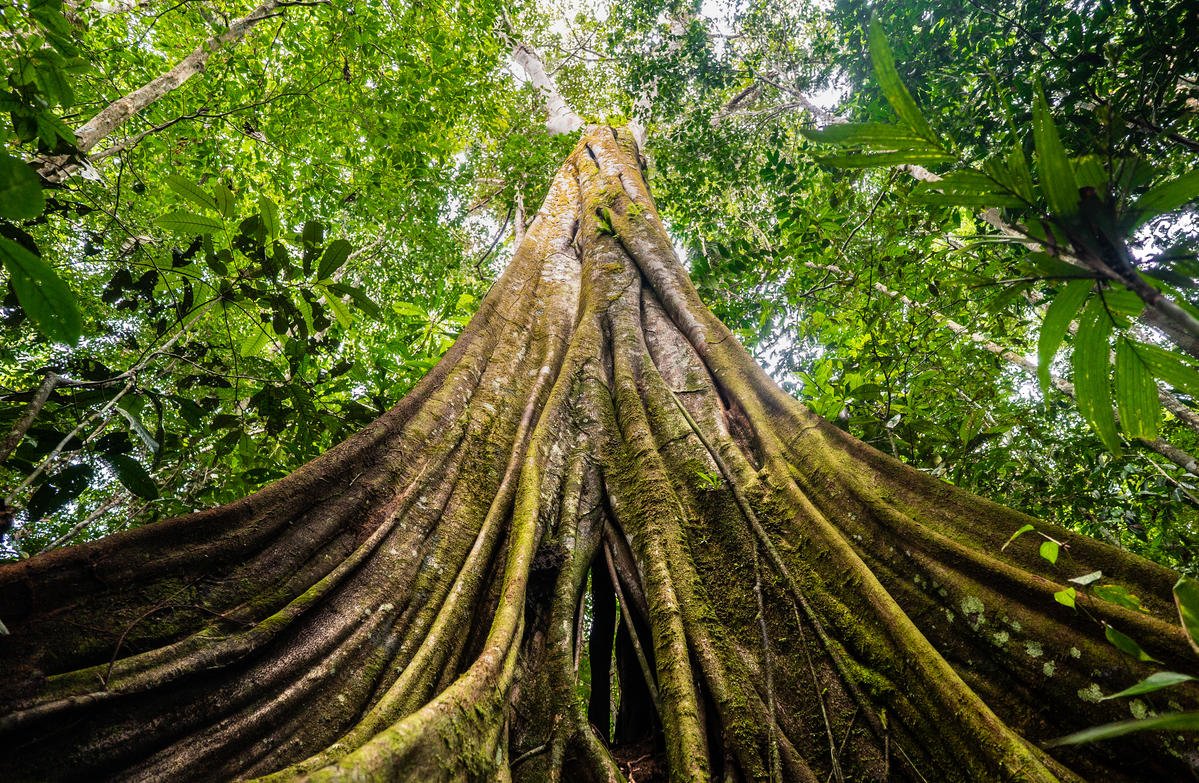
(790,603)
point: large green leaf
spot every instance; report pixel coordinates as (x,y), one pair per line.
(865,160)
(1061,312)
(1056,171)
(1167,196)
(20,192)
(191,191)
(135,477)
(1170,367)
(1171,721)
(1127,645)
(1136,393)
(189,223)
(892,86)
(1091,362)
(43,295)
(340,311)
(335,255)
(869,134)
(966,189)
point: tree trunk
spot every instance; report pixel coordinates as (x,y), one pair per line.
(788,603)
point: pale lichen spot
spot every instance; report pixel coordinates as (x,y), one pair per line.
(973,608)
(386,607)
(1090,693)
(1139,709)
(1000,638)
(949,615)
(1049,668)
(1033,649)
(1075,652)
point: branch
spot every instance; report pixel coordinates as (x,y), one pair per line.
(562,118)
(58,168)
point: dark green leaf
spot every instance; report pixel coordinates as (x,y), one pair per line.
(20,192)
(1170,368)
(43,295)
(1154,682)
(1168,196)
(870,134)
(133,476)
(864,160)
(1186,598)
(335,255)
(1117,594)
(1127,645)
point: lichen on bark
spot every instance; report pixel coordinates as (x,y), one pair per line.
(778,600)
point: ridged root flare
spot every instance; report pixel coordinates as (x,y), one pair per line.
(595,539)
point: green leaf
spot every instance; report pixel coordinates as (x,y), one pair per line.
(892,86)
(1049,550)
(1136,393)
(226,202)
(1092,385)
(43,295)
(966,188)
(1127,645)
(191,191)
(1186,598)
(1017,534)
(360,298)
(20,191)
(335,255)
(1154,682)
(869,134)
(269,213)
(1117,594)
(1066,597)
(135,478)
(864,160)
(253,345)
(1167,197)
(1171,721)
(1057,174)
(1170,367)
(340,311)
(189,223)
(409,310)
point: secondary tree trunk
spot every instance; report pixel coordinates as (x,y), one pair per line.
(775,600)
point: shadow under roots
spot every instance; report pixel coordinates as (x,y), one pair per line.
(621,707)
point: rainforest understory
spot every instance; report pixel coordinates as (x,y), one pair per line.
(597,483)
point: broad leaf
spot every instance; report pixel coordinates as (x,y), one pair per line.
(1136,393)
(1119,595)
(1066,597)
(335,255)
(269,213)
(1056,171)
(1062,310)
(1167,197)
(135,478)
(20,191)
(1091,361)
(1049,550)
(189,223)
(43,295)
(340,311)
(192,192)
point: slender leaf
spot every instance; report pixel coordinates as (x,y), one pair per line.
(43,295)
(1171,721)
(340,311)
(1062,310)
(1023,529)
(966,189)
(892,86)
(1167,196)
(1170,368)
(1154,682)
(865,160)
(1057,174)
(1091,362)
(1127,645)
(869,134)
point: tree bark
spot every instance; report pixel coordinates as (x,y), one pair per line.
(410,606)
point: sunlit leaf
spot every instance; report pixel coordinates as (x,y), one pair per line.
(892,85)
(1127,645)
(1171,721)
(189,223)
(1136,393)
(1186,598)
(1154,682)
(1062,310)
(1091,363)
(191,191)
(43,295)
(1055,169)
(1049,550)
